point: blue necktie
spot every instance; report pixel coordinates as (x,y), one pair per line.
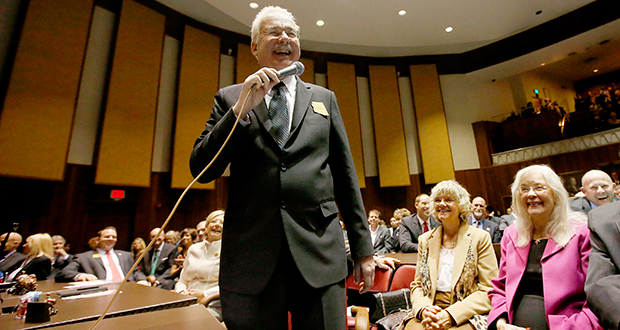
(278,112)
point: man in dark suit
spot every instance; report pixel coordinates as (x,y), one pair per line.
(603,279)
(105,263)
(598,189)
(479,219)
(61,257)
(291,173)
(417,224)
(380,235)
(11,257)
(156,264)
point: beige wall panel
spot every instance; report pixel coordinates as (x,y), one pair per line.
(126,148)
(341,80)
(432,126)
(246,63)
(308,75)
(198,83)
(389,129)
(37,118)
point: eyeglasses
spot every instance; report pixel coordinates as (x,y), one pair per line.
(276,32)
(536,189)
(446,200)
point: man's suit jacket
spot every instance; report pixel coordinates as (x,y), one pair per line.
(9,263)
(89,262)
(603,281)
(394,245)
(410,230)
(162,270)
(563,271)
(284,198)
(491,227)
(474,267)
(383,240)
(59,265)
(506,220)
(582,204)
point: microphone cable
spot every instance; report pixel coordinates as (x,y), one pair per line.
(176,205)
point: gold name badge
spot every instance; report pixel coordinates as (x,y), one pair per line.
(319,108)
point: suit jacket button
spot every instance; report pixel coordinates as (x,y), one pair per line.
(283,205)
(283,167)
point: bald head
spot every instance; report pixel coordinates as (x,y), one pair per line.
(598,187)
(159,239)
(12,243)
(479,208)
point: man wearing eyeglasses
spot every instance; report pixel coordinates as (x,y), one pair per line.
(479,219)
(291,174)
(598,189)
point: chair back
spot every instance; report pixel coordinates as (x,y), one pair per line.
(403,276)
(382,281)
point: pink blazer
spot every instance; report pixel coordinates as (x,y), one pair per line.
(564,272)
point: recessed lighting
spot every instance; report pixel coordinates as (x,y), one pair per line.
(539,12)
(595,70)
(253,5)
(402,12)
(320,23)
(449,29)
(543,64)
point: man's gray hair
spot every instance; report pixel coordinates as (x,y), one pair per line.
(266,13)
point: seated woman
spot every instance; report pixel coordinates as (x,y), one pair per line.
(201,269)
(456,263)
(39,253)
(544,259)
(188,237)
(137,246)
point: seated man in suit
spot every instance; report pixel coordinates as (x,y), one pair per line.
(479,219)
(104,263)
(417,224)
(10,256)
(603,280)
(379,235)
(507,219)
(200,228)
(395,222)
(598,189)
(156,264)
(61,257)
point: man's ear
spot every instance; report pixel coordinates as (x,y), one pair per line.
(254,48)
(583,190)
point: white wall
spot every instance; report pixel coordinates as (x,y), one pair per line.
(468,100)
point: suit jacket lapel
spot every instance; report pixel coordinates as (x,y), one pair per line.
(302,102)
(460,253)
(434,246)
(262,114)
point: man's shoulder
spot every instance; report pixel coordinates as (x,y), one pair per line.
(579,203)
(604,214)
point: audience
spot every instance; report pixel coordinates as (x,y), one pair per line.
(200,228)
(381,238)
(172,237)
(155,266)
(507,219)
(104,263)
(415,225)
(39,253)
(456,263)
(603,280)
(188,237)
(61,257)
(478,219)
(598,189)
(201,269)
(395,222)
(11,256)
(544,259)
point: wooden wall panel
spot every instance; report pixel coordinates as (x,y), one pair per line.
(126,148)
(246,63)
(432,126)
(37,118)
(341,80)
(308,75)
(198,83)
(388,124)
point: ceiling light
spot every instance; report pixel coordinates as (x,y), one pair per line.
(595,70)
(402,12)
(320,23)
(543,64)
(539,12)
(253,5)
(449,29)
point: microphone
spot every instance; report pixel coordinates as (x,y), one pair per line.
(297,68)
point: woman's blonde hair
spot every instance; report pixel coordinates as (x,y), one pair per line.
(457,192)
(41,245)
(559,227)
(140,241)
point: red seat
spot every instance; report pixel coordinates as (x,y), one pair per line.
(403,276)
(382,281)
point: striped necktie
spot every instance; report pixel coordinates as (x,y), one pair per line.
(278,112)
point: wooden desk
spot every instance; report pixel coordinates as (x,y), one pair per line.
(133,299)
(189,317)
(405,258)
